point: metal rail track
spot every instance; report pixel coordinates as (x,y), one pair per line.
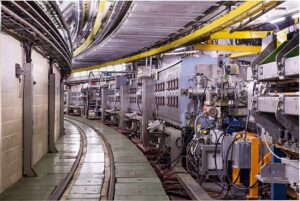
(111,189)
(63,185)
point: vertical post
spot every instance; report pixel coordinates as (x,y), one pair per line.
(253,192)
(278,191)
(104,93)
(123,103)
(146,105)
(68,101)
(62,108)
(51,110)
(28,113)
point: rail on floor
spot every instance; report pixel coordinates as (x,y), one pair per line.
(131,175)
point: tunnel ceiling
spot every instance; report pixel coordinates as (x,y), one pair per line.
(129,27)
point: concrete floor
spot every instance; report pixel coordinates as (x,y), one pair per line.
(51,169)
(88,179)
(135,178)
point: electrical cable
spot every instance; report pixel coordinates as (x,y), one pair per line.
(215,160)
(276,156)
(226,159)
(175,161)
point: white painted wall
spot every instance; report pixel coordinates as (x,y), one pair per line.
(11,107)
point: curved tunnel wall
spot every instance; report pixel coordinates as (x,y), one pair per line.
(12,110)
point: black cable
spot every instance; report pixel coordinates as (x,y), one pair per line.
(215,160)
(228,177)
(178,156)
(170,66)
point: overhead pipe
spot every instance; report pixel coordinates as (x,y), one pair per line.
(245,10)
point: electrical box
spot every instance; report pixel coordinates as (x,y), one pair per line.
(242,155)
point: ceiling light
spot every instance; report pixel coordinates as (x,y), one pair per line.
(278,20)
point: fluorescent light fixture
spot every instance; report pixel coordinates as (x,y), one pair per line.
(295,16)
(278,20)
(179,49)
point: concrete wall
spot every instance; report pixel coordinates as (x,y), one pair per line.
(11,112)
(11,107)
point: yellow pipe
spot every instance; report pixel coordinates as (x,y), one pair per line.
(94,32)
(242,54)
(231,48)
(243,11)
(225,34)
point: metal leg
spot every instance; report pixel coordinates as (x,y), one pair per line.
(28,121)
(104,93)
(124,104)
(62,107)
(51,115)
(146,104)
(253,192)
(278,191)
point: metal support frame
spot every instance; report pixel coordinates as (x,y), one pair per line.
(28,118)
(28,112)
(68,101)
(104,93)
(146,105)
(253,192)
(278,191)
(268,121)
(62,108)
(227,34)
(231,48)
(291,124)
(242,54)
(123,104)
(280,57)
(193,189)
(261,56)
(51,110)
